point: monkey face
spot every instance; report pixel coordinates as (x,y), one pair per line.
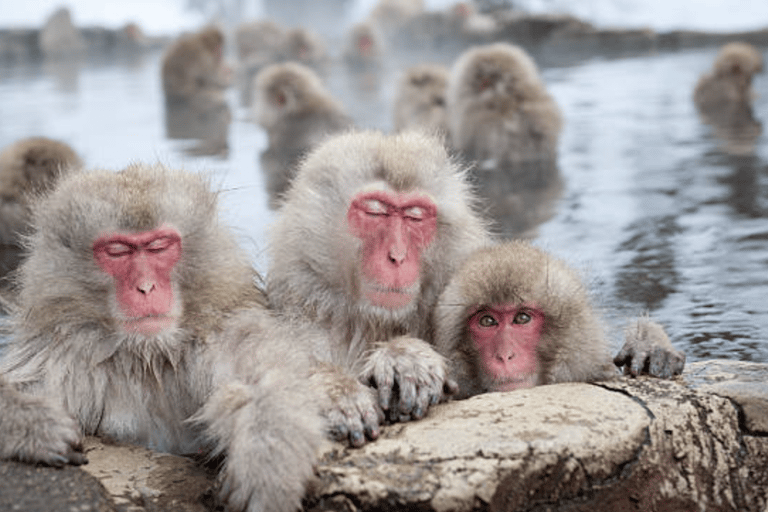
(506,339)
(394,229)
(141,265)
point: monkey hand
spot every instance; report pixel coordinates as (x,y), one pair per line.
(39,432)
(647,350)
(409,376)
(352,411)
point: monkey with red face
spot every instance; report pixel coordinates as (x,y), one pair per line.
(139,319)
(369,234)
(515,317)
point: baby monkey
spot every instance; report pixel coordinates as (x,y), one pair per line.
(515,317)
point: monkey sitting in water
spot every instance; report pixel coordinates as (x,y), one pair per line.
(515,317)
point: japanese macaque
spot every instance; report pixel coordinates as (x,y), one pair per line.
(297,111)
(364,47)
(724,96)
(194,79)
(258,43)
(28,168)
(515,317)
(139,319)
(304,46)
(499,111)
(193,68)
(420,99)
(59,37)
(370,231)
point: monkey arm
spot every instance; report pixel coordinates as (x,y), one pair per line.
(351,408)
(648,350)
(409,375)
(34,430)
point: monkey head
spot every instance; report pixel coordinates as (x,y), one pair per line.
(514,317)
(375,220)
(135,258)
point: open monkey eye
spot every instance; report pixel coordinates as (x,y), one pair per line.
(487,321)
(375,207)
(522,318)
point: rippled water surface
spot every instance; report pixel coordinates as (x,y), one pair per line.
(649,204)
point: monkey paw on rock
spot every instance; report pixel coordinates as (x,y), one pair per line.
(39,432)
(648,351)
(409,376)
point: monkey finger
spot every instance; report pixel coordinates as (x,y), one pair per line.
(407,388)
(77,458)
(371,424)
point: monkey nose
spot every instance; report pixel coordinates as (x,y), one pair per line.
(146,287)
(397,255)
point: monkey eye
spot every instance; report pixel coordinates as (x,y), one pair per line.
(415,213)
(159,244)
(487,321)
(521,318)
(375,207)
(117,249)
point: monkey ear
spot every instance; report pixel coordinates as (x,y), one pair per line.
(281,99)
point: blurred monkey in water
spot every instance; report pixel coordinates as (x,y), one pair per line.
(499,111)
(724,95)
(369,234)
(297,111)
(515,317)
(420,100)
(193,67)
(28,168)
(139,319)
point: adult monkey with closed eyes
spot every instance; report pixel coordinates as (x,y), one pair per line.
(138,318)
(371,230)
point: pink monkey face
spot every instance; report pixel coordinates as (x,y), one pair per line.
(141,265)
(506,338)
(394,228)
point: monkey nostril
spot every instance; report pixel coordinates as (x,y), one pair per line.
(146,288)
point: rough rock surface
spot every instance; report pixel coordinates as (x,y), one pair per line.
(697,443)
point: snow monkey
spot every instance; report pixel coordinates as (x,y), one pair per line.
(139,319)
(193,68)
(727,88)
(515,317)
(499,110)
(420,100)
(28,167)
(370,231)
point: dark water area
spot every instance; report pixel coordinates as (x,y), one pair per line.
(659,213)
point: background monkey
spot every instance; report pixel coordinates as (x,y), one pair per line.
(138,318)
(297,111)
(728,86)
(369,233)
(28,168)
(499,110)
(193,67)
(515,317)
(420,100)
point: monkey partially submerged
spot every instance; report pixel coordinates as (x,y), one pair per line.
(515,317)
(139,319)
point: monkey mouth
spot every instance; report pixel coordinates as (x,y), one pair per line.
(149,325)
(389,297)
(510,384)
